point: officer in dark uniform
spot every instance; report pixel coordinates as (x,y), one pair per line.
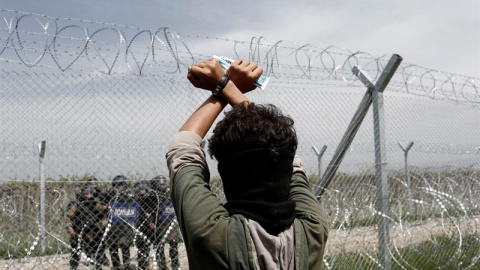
(166,226)
(123,213)
(102,216)
(84,228)
(73,228)
(146,225)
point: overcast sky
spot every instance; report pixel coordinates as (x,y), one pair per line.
(438,34)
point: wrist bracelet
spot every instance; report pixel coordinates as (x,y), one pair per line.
(221,84)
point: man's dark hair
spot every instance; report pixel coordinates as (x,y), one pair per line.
(250,126)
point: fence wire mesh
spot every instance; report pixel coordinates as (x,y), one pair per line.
(107,99)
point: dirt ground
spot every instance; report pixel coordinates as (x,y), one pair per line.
(60,262)
(340,241)
(366,238)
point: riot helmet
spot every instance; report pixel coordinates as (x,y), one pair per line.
(91,182)
(141,188)
(88,193)
(160,182)
(119,182)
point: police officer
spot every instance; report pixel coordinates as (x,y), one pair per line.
(122,214)
(167,228)
(84,228)
(102,215)
(73,226)
(92,234)
(146,225)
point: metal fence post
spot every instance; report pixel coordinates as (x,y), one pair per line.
(319,158)
(380,155)
(357,119)
(407,176)
(41,151)
(381,177)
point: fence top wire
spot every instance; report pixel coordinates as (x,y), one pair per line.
(36,40)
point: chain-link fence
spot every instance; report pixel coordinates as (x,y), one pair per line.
(107,100)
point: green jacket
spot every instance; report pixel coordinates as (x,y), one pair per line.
(215,240)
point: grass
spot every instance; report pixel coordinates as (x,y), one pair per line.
(441,252)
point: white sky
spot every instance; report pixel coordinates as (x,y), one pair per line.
(438,34)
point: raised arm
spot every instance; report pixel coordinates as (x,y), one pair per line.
(206,75)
